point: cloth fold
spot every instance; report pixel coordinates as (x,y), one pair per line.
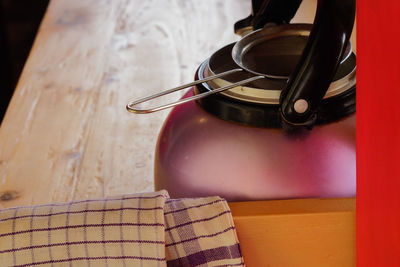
(200,232)
(146,229)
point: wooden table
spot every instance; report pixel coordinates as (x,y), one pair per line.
(66,134)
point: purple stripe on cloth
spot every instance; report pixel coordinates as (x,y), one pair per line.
(103,234)
(31,235)
(185,232)
(83,243)
(138,230)
(83,226)
(85,234)
(49,235)
(192,207)
(201,236)
(156,219)
(173,241)
(89,200)
(236,264)
(78,211)
(197,221)
(67,234)
(121,235)
(13,237)
(210,255)
(93,258)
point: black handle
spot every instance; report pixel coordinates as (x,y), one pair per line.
(268,11)
(321,57)
(275,11)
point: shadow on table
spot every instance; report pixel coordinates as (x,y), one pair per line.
(19,22)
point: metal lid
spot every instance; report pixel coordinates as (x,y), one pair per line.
(282,46)
(257,103)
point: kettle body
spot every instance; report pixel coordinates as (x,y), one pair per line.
(198,154)
(248,135)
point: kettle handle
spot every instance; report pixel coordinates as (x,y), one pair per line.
(267,11)
(321,57)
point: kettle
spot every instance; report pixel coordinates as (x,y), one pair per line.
(274,116)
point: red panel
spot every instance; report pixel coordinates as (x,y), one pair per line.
(378,133)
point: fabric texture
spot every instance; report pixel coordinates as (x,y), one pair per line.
(200,232)
(133,230)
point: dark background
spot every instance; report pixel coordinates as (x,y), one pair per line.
(19,22)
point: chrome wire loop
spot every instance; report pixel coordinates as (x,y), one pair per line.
(131,106)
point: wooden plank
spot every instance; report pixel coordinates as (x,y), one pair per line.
(66,134)
(302,232)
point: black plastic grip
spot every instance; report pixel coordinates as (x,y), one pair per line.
(275,11)
(269,11)
(321,57)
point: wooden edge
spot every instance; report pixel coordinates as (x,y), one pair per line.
(300,232)
(291,206)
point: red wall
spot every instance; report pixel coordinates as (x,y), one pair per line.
(378,133)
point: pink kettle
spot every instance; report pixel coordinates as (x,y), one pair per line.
(274,113)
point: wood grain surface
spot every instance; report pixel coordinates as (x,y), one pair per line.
(66,134)
(296,233)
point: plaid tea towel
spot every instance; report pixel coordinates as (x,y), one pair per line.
(131,230)
(200,232)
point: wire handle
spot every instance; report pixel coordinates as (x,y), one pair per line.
(131,105)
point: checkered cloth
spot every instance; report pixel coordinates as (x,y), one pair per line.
(133,230)
(200,232)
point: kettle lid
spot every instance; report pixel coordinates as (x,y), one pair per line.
(257,103)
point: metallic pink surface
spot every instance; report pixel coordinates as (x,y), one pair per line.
(198,154)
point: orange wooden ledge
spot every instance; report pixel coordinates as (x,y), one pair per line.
(300,232)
